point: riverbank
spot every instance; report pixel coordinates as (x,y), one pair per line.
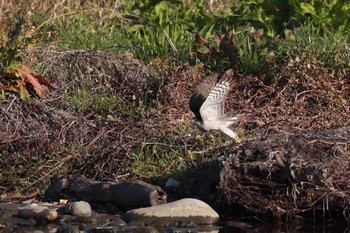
(114,118)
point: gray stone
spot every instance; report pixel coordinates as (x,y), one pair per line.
(184,210)
(39,213)
(80,208)
(172,184)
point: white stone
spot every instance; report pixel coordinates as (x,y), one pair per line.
(187,209)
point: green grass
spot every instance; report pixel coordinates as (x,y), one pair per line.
(106,107)
(172,153)
(313,43)
(136,29)
(141,35)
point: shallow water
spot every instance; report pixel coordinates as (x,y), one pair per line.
(236,226)
(105,223)
(224,227)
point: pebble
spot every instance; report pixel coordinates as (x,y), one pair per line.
(77,208)
(81,208)
(172,184)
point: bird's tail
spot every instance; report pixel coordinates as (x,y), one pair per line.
(230,120)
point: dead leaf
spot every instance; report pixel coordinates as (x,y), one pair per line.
(201,41)
(29,78)
(258,35)
(27,74)
(218,38)
(44,81)
(9,88)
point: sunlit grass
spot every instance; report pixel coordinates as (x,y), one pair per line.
(310,42)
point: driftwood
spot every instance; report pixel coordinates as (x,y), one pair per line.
(124,195)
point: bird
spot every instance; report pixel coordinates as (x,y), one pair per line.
(207,102)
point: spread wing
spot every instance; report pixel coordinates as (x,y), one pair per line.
(214,105)
(201,93)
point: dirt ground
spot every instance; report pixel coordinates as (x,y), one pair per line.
(293,160)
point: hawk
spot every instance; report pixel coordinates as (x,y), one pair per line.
(208,104)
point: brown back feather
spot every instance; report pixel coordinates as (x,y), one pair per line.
(201,92)
(203,88)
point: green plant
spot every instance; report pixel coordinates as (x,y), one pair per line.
(228,49)
(325,14)
(107,107)
(314,44)
(173,151)
(154,17)
(81,99)
(136,28)
(275,15)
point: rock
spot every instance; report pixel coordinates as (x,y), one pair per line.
(65,218)
(104,229)
(77,208)
(117,222)
(39,213)
(80,208)
(21,222)
(172,184)
(184,210)
(83,220)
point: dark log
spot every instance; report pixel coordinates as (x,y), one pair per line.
(124,195)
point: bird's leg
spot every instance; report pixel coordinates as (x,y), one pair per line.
(231,134)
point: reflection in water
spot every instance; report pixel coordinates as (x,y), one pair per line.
(248,227)
(225,227)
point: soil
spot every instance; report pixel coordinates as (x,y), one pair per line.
(293,160)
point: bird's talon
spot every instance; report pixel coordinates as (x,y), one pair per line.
(237,141)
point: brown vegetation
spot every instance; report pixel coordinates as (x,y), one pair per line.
(285,175)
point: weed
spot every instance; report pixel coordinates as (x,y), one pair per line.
(241,50)
(275,15)
(312,44)
(105,107)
